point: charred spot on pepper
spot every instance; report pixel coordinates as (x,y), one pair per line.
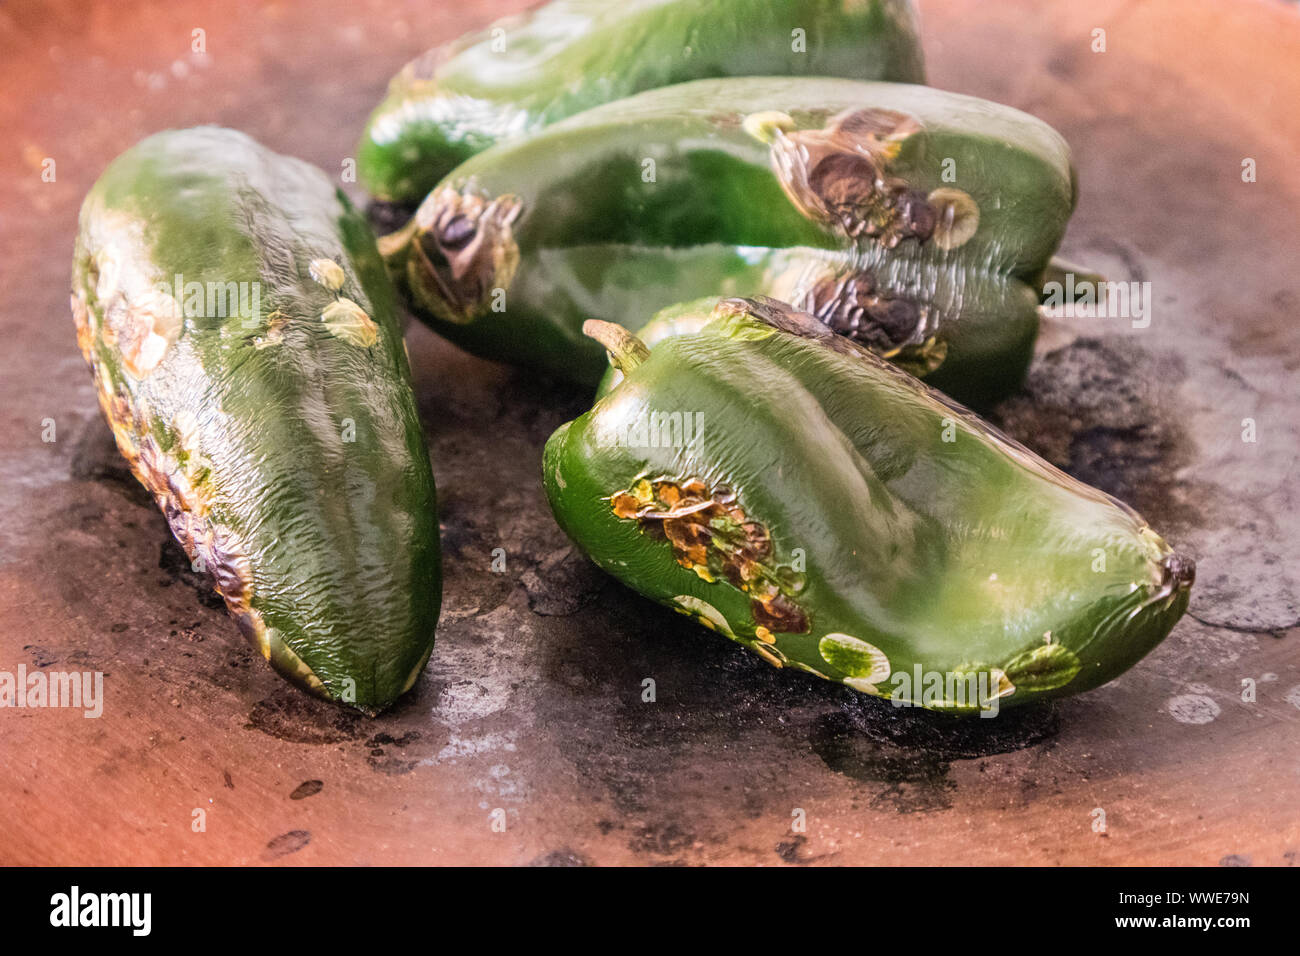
(876,126)
(461,248)
(276,324)
(456,232)
(853,305)
(85,333)
(784,318)
(839,175)
(1177,575)
(142,329)
(894,326)
(1179,571)
(166,459)
(711,534)
(844,181)
(219,552)
(917,359)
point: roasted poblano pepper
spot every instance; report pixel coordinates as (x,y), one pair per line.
(786,487)
(243,341)
(915,221)
(533,69)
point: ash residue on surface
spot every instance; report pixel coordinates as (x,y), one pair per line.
(911,750)
(40,656)
(1103,413)
(562,583)
(795,851)
(382,757)
(561,857)
(95,458)
(296,717)
(708,693)
(717,708)
(176,565)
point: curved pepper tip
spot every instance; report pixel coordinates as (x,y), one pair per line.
(1178,573)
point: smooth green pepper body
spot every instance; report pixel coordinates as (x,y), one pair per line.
(905,217)
(527,71)
(792,491)
(243,340)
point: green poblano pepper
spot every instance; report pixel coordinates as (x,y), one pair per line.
(242,336)
(915,221)
(787,488)
(530,70)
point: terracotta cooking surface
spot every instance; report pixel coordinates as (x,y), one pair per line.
(532,703)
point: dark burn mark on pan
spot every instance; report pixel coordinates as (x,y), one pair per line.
(286,844)
(1100,413)
(911,750)
(308,788)
(176,564)
(295,717)
(561,857)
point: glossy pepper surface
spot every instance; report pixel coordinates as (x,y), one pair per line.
(243,342)
(915,221)
(790,490)
(530,70)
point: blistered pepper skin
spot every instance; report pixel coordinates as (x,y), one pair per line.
(244,345)
(985,360)
(914,220)
(533,69)
(791,490)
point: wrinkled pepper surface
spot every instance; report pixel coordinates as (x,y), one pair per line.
(243,341)
(530,70)
(915,221)
(785,487)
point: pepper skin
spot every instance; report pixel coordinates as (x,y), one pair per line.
(916,221)
(787,488)
(530,70)
(244,344)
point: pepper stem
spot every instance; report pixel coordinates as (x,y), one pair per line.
(625,350)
